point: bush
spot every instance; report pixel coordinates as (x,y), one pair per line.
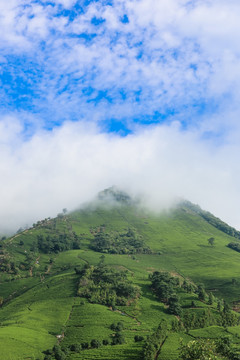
(118,339)
(75,347)
(138,338)
(95,344)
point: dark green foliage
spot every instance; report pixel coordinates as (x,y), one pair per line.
(193,304)
(107,286)
(211,241)
(200,319)
(235,246)
(210,298)
(177,325)
(114,194)
(228,317)
(56,353)
(174,306)
(138,338)
(164,285)
(57,243)
(201,292)
(8,265)
(48,357)
(117,326)
(213,220)
(105,342)
(118,338)
(129,242)
(95,344)
(75,347)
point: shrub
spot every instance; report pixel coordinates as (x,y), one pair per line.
(138,338)
(95,344)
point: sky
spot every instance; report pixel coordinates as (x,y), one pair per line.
(140,94)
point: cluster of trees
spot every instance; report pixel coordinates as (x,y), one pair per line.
(164,286)
(117,336)
(213,220)
(234,245)
(57,243)
(102,284)
(219,224)
(205,317)
(61,352)
(114,194)
(128,242)
(206,349)
(154,342)
(7,265)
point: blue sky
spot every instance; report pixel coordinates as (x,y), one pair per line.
(153,83)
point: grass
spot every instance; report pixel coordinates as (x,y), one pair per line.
(44,305)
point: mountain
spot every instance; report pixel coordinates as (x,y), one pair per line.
(115,281)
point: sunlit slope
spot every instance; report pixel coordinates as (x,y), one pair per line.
(179,240)
(40,301)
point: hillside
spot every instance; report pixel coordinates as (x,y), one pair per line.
(106,281)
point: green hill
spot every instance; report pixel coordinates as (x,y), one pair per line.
(115,281)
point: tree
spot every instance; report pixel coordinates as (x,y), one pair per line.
(211,241)
(75,347)
(219,305)
(118,338)
(95,344)
(138,338)
(199,350)
(174,306)
(201,293)
(210,298)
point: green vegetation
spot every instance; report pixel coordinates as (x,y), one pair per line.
(118,282)
(128,242)
(105,285)
(235,246)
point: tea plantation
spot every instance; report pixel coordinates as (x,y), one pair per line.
(119,282)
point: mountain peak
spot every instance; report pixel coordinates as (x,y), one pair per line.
(115,194)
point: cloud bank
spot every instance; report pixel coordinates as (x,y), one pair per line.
(68,166)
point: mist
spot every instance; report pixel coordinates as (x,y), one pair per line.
(69,165)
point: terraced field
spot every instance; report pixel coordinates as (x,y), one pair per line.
(41,307)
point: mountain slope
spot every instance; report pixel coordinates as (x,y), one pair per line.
(45,267)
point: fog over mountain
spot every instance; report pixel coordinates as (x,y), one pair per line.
(70,165)
(141,94)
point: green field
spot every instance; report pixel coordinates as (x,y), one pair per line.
(41,307)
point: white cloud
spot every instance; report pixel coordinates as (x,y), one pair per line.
(70,165)
(174,52)
(171,54)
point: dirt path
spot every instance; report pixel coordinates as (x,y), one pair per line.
(159,350)
(31,268)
